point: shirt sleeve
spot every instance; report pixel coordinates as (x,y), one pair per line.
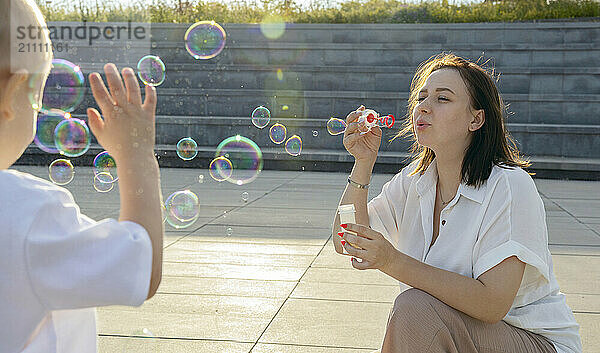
(75,262)
(514,224)
(386,209)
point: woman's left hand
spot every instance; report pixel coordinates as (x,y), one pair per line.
(375,251)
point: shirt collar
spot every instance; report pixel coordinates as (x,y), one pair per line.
(428,180)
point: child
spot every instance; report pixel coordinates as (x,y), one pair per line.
(57,264)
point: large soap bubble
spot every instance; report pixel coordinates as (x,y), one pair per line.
(205,39)
(261,116)
(336,126)
(151,70)
(64,88)
(277,133)
(61,171)
(72,137)
(182,209)
(245,156)
(46,124)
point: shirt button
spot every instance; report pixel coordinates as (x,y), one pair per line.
(443,221)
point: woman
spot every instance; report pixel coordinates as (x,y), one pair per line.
(463,225)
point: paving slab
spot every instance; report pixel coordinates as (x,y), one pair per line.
(203,316)
(572,189)
(277,217)
(279,273)
(262,275)
(226,287)
(331,324)
(290,348)
(259,235)
(589,328)
(581,208)
(197,254)
(165,345)
(573,236)
(577,274)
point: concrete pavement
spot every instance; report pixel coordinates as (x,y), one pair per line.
(261,275)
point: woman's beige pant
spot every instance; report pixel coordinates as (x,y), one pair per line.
(419,322)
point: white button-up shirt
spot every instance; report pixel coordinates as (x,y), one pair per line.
(480,228)
(57,264)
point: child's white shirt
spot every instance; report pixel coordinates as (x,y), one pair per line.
(57,265)
(478,229)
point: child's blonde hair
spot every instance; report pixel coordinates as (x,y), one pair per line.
(15,54)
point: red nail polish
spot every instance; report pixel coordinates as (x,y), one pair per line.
(344,225)
(341,234)
(343,242)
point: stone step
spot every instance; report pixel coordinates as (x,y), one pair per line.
(580,109)
(433,33)
(327,53)
(550,167)
(580,141)
(534,80)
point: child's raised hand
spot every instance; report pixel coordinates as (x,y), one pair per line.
(127,126)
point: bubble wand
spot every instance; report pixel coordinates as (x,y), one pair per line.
(371,118)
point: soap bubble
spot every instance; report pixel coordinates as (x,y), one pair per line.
(220,169)
(272,26)
(315,133)
(277,133)
(46,124)
(293,146)
(104,163)
(280,76)
(205,39)
(187,148)
(245,196)
(245,156)
(200,178)
(229,231)
(336,126)
(72,137)
(151,70)
(64,88)
(103,182)
(182,209)
(61,171)
(261,117)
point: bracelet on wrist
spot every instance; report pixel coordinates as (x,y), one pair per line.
(357,185)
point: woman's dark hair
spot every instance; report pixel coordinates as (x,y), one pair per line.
(491,143)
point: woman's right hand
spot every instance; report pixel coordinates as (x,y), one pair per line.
(364,148)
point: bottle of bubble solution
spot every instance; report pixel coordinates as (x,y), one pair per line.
(347,213)
(371,119)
